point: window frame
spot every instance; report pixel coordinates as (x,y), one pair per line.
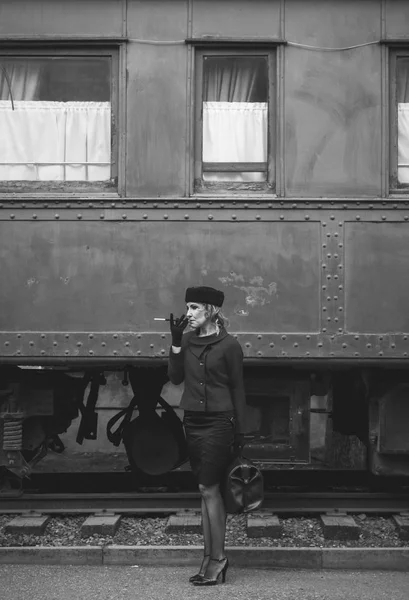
(201,187)
(394,186)
(55,49)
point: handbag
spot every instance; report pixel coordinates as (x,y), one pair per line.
(244,486)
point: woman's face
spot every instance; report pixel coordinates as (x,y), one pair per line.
(197,314)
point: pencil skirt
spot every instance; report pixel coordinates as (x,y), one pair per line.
(210,437)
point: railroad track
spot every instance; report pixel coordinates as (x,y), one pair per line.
(294,503)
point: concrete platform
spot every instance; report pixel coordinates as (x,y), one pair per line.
(372,559)
(45,555)
(140,582)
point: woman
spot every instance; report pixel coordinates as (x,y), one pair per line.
(210,362)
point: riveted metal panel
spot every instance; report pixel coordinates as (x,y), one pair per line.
(91,276)
(130,346)
(33,18)
(98,321)
(332,288)
(255,207)
(377,285)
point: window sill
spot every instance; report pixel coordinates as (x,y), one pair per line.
(19,190)
(234,189)
(393,194)
(41,196)
(233,197)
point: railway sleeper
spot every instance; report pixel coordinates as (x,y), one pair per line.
(402,524)
(30,523)
(101,524)
(336,526)
(339,526)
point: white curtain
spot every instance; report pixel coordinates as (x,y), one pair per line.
(403,142)
(19,81)
(55,141)
(234,132)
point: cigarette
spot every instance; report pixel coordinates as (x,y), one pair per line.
(160,319)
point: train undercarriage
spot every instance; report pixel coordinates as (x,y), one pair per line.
(299,418)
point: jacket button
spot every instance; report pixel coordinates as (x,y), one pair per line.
(201,401)
(201,382)
(201,364)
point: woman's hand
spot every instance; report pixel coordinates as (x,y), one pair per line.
(177,327)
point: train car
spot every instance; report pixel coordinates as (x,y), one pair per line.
(261,147)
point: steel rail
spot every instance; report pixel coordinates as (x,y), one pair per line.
(168,503)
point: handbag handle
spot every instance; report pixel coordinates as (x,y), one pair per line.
(115,437)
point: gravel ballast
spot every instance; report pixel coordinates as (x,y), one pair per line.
(299,532)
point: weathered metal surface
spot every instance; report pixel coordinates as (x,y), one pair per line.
(396,18)
(133,346)
(332,108)
(329,103)
(83,275)
(76,17)
(377,290)
(376,209)
(237,19)
(157,102)
(334,135)
(87,282)
(93,276)
(342,23)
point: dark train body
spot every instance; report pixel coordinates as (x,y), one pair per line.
(256,146)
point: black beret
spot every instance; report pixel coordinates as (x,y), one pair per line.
(204,295)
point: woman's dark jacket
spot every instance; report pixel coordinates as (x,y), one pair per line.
(212,369)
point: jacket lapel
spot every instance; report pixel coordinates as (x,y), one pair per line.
(198,345)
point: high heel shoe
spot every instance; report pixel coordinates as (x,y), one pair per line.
(199,575)
(222,572)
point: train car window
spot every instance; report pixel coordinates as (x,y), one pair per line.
(56,121)
(399,158)
(234,136)
(402,92)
